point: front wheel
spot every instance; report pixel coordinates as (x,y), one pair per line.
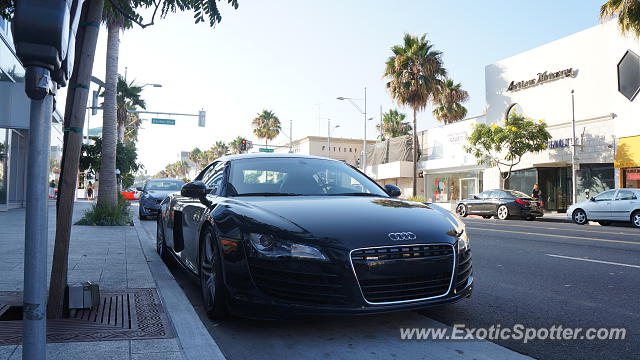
(635,219)
(579,217)
(503,212)
(214,296)
(461,210)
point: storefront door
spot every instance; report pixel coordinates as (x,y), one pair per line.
(468,187)
(554,184)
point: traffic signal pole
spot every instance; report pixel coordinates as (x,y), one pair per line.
(39,88)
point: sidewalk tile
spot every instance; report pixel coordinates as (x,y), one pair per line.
(102,350)
(154,346)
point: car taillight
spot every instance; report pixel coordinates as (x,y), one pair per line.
(522,202)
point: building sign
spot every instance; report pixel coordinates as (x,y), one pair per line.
(559,143)
(543,77)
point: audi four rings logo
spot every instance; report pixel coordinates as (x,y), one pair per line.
(402,236)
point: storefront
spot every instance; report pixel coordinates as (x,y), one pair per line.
(628,161)
(575,82)
(450,173)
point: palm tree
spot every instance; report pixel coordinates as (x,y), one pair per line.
(196,156)
(128,98)
(393,125)
(414,72)
(449,103)
(115,22)
(266,126)
(236,145)
(627,12)
(219,149)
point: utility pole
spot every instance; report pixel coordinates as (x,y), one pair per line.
(290,136)
(380,122)
(574,185)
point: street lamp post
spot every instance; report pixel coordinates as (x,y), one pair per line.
(574,187)
(329,136)
(364,141)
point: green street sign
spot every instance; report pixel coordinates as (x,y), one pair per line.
(266,150)
(163,121)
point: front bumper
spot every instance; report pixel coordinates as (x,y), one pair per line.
(150,206)
(288,288)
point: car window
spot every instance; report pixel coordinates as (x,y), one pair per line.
(516,194)
(625,195)
(163,185)
(605,196)
(494,194)
(213,178)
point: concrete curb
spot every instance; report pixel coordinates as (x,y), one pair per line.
(194,338)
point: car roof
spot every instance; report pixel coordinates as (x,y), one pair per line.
(165,179)
(270,156)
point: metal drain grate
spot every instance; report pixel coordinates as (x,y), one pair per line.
(122,315)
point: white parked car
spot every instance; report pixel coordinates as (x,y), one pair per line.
(608,206)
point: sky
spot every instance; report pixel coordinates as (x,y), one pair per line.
(296,57)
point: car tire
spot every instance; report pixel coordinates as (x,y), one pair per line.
(140,216)
(579,217)
(635,219)
(604,223)
(214,296)
(486,216)
(503,212)
(461,210)
(161,248)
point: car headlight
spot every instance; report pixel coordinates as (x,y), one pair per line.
(463,240)
(273,247)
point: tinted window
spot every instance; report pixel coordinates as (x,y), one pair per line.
(516,194)
(494,194)
(297,176)
(484,195)
(605,196)
(213,178)
(164,185)
(625,195)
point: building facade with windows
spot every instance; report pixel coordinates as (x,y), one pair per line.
(14,128)
(343,149)
(590,76)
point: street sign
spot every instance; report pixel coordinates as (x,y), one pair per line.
(163,121)
(266,150)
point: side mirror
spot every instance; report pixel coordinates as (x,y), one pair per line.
(392,190)
(592,199)
(194,189)
(139,188)
(475,197)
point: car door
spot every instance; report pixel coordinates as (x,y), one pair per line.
(623,204)
(600,207)
(491,203)
(474,205)
(193,212)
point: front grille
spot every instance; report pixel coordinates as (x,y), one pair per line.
(299,286)
(464,270)
(404,273)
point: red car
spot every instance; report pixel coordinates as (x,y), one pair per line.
(131,194)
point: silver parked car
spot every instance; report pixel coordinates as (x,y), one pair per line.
(609,206)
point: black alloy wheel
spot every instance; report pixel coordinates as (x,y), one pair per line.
(214,298)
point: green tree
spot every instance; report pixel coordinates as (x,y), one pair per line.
(505,145)
(415,76)
(449,101)
(394,125)
(627,12)
(126,160)
(197,157)
(219,149)
(266,125)
(128,98)
(235,145)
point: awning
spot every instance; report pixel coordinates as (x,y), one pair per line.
(628,152)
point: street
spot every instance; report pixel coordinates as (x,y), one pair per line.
(529,273)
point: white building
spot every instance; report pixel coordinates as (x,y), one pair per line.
(343,149)
(539,83)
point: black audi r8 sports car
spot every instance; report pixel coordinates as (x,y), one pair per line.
(274,235)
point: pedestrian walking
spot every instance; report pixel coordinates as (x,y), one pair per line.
(536,193)
(90,191)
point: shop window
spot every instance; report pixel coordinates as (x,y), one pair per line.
(453,186)
(595,178)
(631,178)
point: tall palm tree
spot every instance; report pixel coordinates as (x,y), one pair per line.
(415,75)
(236,145)
(266,125)
(449,103)
(196,156)
(627,12)
(394,125)
(115,22)
(128,98)
(219,149)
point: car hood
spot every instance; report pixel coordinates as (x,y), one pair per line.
(356,221)
(158,194)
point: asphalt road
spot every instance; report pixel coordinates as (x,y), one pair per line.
(529,273)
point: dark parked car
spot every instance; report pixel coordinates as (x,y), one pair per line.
(502,204)
(271,236)
(152,194)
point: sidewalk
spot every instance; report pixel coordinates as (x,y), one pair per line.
(120,261)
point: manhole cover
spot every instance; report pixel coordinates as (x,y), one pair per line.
(122,315)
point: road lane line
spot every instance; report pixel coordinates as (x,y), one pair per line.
(563,236)
(472,223)
(595,261)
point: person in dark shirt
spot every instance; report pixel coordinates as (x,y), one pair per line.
(536,193)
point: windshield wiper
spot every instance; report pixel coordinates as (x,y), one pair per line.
(268,194)
(355,194)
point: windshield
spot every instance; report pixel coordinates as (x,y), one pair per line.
(298,176)
(164,185)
